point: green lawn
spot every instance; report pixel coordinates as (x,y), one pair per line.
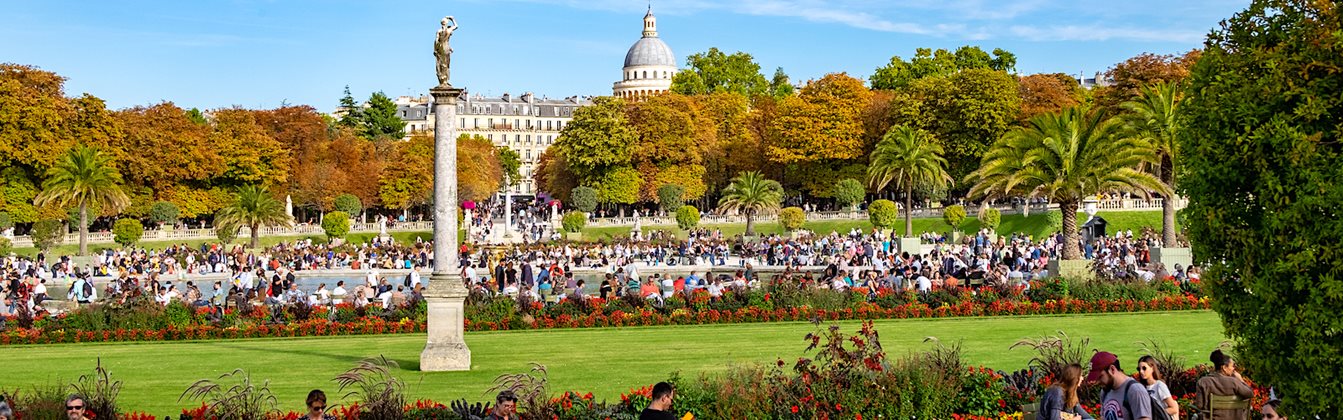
(1035,225)
(603,361)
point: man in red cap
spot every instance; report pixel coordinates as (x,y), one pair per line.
(1124,398)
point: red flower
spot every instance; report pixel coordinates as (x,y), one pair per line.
(793,409)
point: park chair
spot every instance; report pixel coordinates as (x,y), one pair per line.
(1028,411)
(1218,403)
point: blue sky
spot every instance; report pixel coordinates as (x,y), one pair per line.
(257,53)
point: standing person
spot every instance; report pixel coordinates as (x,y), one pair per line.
(505,406)
(1223,381)
(1060,401)
(75,409)
(660,408)
(317,406)
(1124,398)
(1150,377)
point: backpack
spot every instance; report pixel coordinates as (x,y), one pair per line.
(407,280)
(1158,407)
(88,289)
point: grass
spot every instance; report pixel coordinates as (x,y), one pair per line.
(604,361)
(1036,225)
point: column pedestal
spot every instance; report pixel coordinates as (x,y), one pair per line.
(445,350)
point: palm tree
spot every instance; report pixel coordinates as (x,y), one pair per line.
(911,158)
(751,194)
(83,177)
(1151,116)
(253,207)
(1067,156)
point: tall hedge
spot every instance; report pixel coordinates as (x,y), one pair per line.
(954,215)
(687,217)
(792,218)
(46,233)
(348,203)
(848,192)
(990,218)
(336,224)
(669,197)
(127,231)
(164,212)
(584,199)
(1263,171)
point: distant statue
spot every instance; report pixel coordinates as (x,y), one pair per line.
(382,226)
(442,51)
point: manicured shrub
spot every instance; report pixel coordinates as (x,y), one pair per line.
(954,215)
(584,199)
(6,221)
(46,234)
(1054,219)
(127,231)
(883,214)
(687,217)
(574,221)
(336,224)
(990,218)
(792,218)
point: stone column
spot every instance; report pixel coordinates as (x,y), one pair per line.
(445,349)
(508,212)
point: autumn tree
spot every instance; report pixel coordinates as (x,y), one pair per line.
(1047,93)
(1130,76)
(250,155)
(552,175)
(479,172)
(406,181)
(822,122)
(165,133)
(673,136)
(738,148)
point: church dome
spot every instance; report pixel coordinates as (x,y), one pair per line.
(650,52)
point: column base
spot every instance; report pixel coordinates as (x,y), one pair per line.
(445,357)
(1072,269)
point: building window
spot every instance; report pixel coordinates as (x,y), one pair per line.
(490,122)
(517,139)
(645,74)
(529,154)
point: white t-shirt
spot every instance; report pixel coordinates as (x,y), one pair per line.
(925,284)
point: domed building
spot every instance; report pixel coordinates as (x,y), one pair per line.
(649,65)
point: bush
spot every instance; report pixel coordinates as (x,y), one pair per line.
(6,221)
(127,231)
(883,214)
(792,218)
(670,197)
(164,212)
(954,215)
(226,233)
(46,234)
(336,224)
(584,199)
(687,217)
(349,204)
(990,218)
(1054,219)
(848,192)
(5,246)
(574,221)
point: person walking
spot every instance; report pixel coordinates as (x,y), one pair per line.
(1224,381)
(1124,398)
(1060,401)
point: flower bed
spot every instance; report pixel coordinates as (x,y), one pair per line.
(146,321)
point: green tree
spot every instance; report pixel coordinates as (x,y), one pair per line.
(6,221)
(197,117)
(349,204)
(254,207)
(597,141)
(336,224)
(1261,143)
(751,194)
(127,231)
(670,197)
(46,233)
(954,215)
(380,120)
(966,112)
(780,86)
(619,186)
(687,217)
(910,158)
(792,218)
(883,214)
(849,193)
(84,177)
(1152,116)
(226,232)
(164,212)
(583,199)
(573,222)
(354,112)
(898,73)
(6,246)
(1067,157)
(511,163)
(714,71)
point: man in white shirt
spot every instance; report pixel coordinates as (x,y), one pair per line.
(925,285)
(414,278)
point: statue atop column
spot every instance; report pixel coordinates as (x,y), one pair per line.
(442,51)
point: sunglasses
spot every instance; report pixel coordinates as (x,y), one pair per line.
(318,408)
(74,407)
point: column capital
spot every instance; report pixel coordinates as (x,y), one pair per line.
(446,92)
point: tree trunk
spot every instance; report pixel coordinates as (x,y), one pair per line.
(83,227)
(909,210)
(750,227)
(1168,205)
(256,236)
(1070,249)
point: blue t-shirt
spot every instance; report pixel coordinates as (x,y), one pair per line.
(1139,404)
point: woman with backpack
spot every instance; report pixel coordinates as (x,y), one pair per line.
(1060,401)
(1150,377)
